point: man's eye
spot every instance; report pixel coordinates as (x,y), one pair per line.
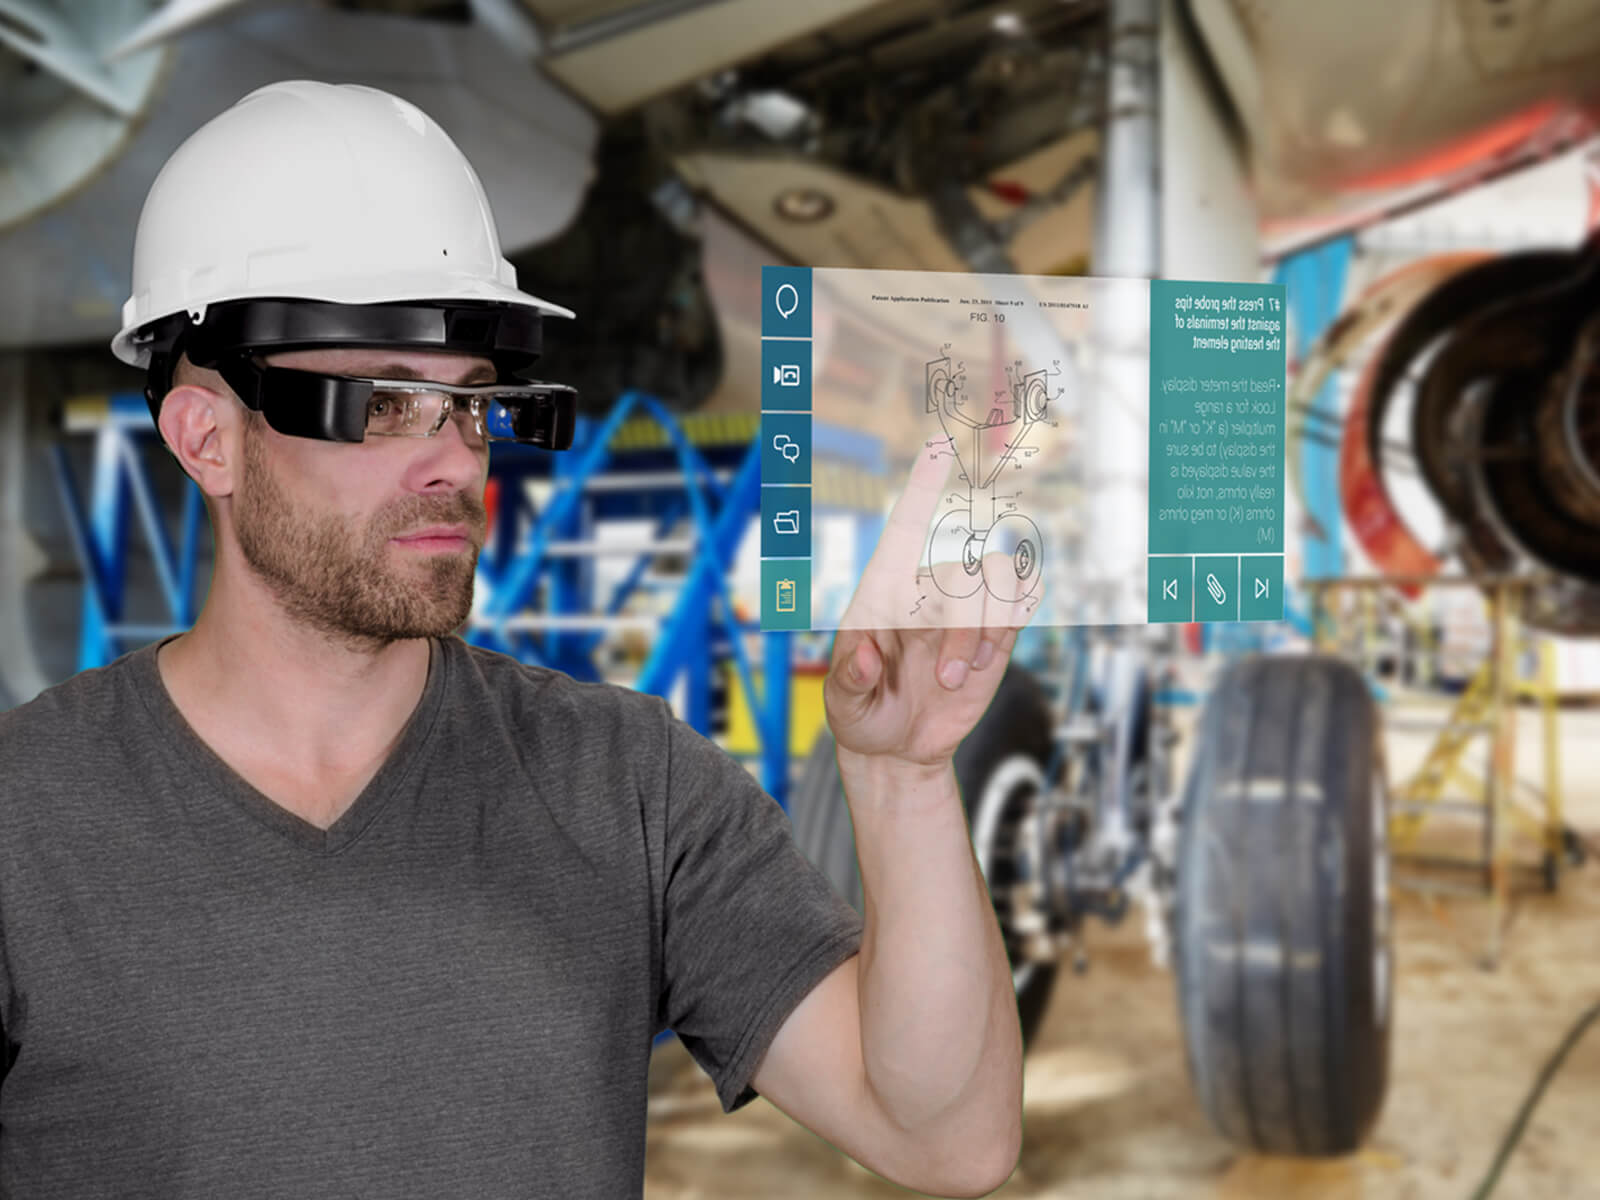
(387,412)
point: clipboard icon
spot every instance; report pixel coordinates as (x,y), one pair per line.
(785,595)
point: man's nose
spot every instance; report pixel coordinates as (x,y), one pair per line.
(457,455)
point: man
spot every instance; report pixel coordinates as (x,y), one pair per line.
(315,899)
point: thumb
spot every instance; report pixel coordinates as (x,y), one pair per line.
(856,662)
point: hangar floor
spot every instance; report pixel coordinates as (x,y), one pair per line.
(1108,1111)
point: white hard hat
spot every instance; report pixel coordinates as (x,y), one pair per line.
(307,191)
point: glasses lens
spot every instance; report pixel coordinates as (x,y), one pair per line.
(398,413)
(402,412)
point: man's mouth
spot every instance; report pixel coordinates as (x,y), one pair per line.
(437,537)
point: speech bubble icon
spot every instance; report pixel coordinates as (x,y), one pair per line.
(794,300)
(787,447)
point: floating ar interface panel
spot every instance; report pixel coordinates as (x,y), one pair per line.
(943,450)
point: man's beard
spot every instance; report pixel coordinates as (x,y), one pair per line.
(339,580)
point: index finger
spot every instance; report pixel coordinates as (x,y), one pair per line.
(905,532)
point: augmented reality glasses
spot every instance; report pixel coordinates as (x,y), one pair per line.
(230,335)
(351,408)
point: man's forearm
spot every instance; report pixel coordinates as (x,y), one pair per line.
(940,1036)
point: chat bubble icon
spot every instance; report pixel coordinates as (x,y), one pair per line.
(787,446)
(787,303)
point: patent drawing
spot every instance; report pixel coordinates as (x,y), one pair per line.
(985,540)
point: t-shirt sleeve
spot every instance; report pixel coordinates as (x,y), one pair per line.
(749,925)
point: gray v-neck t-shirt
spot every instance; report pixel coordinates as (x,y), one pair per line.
(451,991)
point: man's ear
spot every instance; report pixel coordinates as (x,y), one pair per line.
(204,431)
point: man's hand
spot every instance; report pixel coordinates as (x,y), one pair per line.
(914,669)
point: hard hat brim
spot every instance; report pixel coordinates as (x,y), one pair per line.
(508,333)
(134,343)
